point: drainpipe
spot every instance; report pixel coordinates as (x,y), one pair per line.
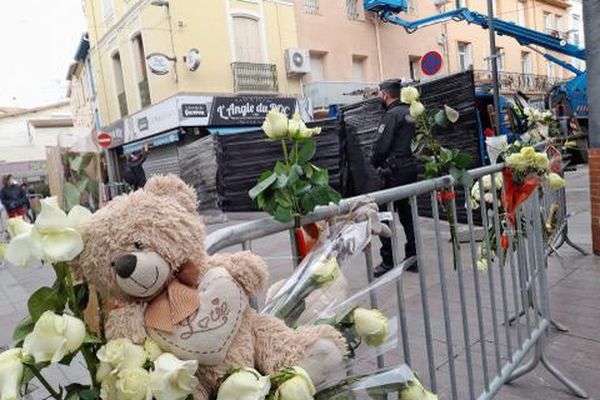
(591,14)
(379,55)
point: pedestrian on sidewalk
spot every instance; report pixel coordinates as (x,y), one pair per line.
(393,158)
(134,173)
(13,197)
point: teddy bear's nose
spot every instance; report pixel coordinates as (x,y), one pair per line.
(125,265)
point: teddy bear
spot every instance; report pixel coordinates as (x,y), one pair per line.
(144,253)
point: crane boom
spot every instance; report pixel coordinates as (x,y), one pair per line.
(388,11)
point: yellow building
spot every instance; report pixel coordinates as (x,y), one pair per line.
(240,45)
(521,68)
(166,72)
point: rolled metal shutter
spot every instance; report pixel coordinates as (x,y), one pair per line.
(162,160)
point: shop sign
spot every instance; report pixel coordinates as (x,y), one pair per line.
(158,63)
(248,110)
(155,119)
(194,110)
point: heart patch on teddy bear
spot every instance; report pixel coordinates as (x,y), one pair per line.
(207,334)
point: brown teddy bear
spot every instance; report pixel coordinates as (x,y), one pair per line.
(144,253)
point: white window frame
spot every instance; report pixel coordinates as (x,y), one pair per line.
(467,55)
(261,28)
(311,6)
(521,13)
(360,62)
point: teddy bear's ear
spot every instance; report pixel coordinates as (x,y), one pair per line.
(172,186)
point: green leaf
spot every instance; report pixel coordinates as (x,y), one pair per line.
(321,177)
(45,299)
(90,394)
(282,200)
(86,159)
(280,168)
(431,170)
(72,195)
(89,338)
(82,294)
(307,151)
(283,214)
(23,329)
(441,119)
(308,202)
(262,185)
(281,181)
(308,170)
(82,184)
(463,161)
(462,176)
(75,163)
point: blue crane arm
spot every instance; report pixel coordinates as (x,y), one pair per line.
(388,10)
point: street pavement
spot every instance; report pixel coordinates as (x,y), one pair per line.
(574,281)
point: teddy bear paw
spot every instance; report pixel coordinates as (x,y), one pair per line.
(321,359)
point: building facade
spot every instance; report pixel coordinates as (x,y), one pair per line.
(26,135)
(575,34)
(521,68)
(350,50)
(166,72)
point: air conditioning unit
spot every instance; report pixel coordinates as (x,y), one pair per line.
(297,61)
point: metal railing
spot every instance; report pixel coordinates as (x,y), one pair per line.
(311,6)
(481,350)
(122,98)
(252,77)
(513,81)
(111,190)
(144,89)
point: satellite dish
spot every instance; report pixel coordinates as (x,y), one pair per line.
(192,59)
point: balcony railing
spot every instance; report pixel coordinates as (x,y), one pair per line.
(123,104)
(311,6)
(513,81)
(251,77)
(144,93)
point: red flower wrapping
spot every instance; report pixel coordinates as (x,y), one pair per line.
(306,238)
(514,195)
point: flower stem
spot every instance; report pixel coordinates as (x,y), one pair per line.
(285,152)
(74,305)
(43,381)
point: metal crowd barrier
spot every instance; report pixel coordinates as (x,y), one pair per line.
(111,190)
(454,326)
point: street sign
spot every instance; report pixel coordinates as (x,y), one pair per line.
(104,140)
(431,63)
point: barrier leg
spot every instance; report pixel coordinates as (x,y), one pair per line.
(574,388)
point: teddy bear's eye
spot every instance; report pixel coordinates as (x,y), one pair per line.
(138,245)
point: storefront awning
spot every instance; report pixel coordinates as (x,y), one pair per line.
(160,140)
(233,130)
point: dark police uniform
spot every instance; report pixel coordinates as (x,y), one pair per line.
(392,155)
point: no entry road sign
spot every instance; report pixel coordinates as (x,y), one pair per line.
(104,140)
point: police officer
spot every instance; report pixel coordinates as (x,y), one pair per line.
(393,158)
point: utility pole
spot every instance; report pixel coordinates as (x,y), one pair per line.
(494,60)
(591,16)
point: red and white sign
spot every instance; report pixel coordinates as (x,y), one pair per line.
(431,63)
(104,140)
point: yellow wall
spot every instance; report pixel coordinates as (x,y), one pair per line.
(204,25)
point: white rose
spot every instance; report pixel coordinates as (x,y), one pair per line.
(275,125)
(245,384)
(132,384)
(451,114)
(172,378)
(409,94)
(482,265)
(79,218)
(153,350)
(51,238)
(300,387)
(297,128)
(416,109)
(118,355)
(371,325)
(108,389)
(17,226)
(488,198)
(416,391)
(11,373)
(326,272)
(53,337)
(555,181)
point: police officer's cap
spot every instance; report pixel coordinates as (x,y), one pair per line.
(392,85)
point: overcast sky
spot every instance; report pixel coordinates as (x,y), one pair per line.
(38,39)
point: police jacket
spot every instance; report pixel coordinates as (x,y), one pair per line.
(13,197)
(396,131)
